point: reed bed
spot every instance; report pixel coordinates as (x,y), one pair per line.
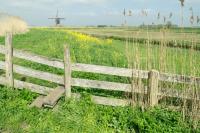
(177,60)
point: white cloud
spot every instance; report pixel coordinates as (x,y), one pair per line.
(31,3)
(88,14)
(81,11)
(88,1)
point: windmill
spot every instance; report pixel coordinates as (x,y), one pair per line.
(57,19)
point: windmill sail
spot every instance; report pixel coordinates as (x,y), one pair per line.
(57,19)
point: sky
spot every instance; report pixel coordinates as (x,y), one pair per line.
(98,12)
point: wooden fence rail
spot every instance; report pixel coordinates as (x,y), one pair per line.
(151,90)
(88,83)
(46,90)
(8,57)
(124,72)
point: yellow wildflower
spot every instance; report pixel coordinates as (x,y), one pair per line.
(84,38)
(109,41)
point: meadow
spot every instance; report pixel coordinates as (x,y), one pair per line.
(83,115)
(141,32)
(108,52)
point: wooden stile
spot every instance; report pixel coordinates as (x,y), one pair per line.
(38,102)
(152,91)
(67,68)
(54,94)
(52,98)
(8,58)
(43,90)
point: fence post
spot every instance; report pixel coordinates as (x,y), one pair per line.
(8,58)
(67,68)
(153,79)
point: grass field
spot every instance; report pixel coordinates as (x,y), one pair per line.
(107,52)
(84,116)
(134,32)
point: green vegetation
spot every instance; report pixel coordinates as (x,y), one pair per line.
(175,37)
(83,115)
(49,42)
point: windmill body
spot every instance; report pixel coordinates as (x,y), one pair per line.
(57,19)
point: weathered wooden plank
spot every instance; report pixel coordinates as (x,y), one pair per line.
(75,82)
(112,86)
(105,100)
(110,70)
(67,77)
(100,69)
(101,85)
(179,78)
(8,58)
(78,66)
(32,87)
(152,90)
(45,90)
(38,102)
(110,101)
(168,92)
(34,58)
(174,108)
(90,83)
(52,98)
(35,73)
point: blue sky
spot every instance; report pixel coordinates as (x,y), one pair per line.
(95,12)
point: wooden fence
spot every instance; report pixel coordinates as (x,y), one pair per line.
(152,76)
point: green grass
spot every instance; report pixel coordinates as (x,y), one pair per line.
(83,116)
(142,32)
(49,42)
